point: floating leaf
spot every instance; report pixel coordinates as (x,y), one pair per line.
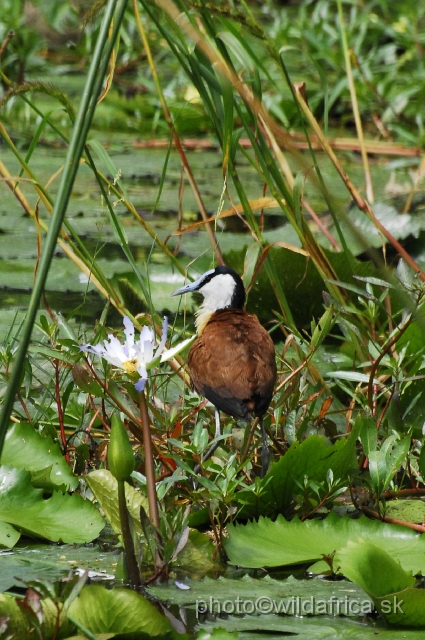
(273,544)
(266,595)
(64,517)
(27,449)
(390,587)
(42,561)
(117,611)
(406,510)
(307,627)
(8,535)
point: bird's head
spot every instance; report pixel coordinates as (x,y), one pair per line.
(222,288)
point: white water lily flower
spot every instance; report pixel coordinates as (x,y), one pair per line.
(136,356)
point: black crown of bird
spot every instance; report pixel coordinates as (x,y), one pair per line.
(232,362)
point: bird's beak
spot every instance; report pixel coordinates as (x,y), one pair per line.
(186,289)
(192,286)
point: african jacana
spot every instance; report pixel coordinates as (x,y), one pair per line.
(232,362)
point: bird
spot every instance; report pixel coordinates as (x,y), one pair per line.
(232,361)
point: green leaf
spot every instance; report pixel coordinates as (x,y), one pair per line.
(299,186)
(400,225)
(407,510)
(197,553)
(385,463)
(249,595)
(64,517)
(312,458)
(218,633)
(353,376)
(390,587)
(396,455)
(105,488)
(27,449)
(227,124)
(108,163)
(18,620)
(351,287)
(378,471)
(51,354)
(372,568)
(368,434)
(377,281)
(250,262)
(322,329)
(117,611)
(8,535)
(272,544)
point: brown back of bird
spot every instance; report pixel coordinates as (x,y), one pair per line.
(232,363)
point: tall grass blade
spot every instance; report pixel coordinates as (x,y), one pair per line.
(113,15)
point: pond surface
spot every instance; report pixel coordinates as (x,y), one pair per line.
(141,170)
(250,602)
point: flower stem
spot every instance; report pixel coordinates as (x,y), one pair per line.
(132,568)
(149,462)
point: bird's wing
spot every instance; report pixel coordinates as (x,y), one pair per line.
(232,363)
(227,403)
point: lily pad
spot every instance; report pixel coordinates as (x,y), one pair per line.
(407,510)
(272,544)
(8,535)
(27,449)
(53,562)
(252,596)
(64,517)
(390,587)
(399,224)
(117,611)
(273,627)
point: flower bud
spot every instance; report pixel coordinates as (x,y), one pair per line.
(120,453)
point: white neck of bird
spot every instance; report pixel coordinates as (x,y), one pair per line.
(218,294)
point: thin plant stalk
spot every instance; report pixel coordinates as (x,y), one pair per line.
(221,66)
(130,556)
(355,104)
(114,13)
(150,480)
(76,248)
(176,139)
(361,203)
(149,462)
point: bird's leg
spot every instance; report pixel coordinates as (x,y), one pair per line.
(211,450)
(265,451)
(217,423)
